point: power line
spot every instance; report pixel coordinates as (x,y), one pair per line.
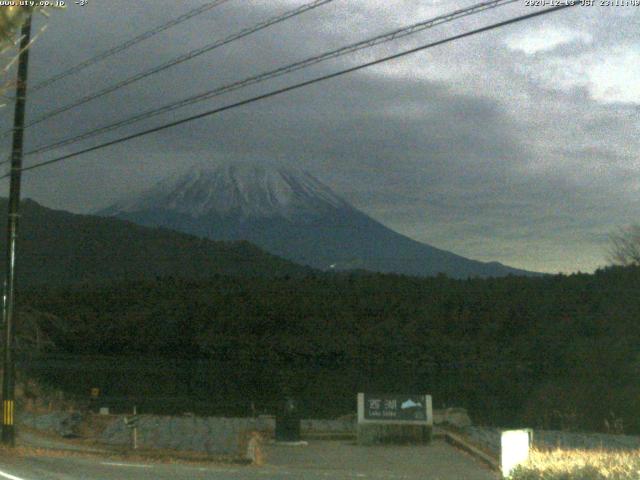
(127,44)
(301,84)
(181,58)
(377,40)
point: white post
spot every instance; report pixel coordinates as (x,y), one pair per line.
(514,449)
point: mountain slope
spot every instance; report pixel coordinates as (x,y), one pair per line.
(62,248)
(290,214)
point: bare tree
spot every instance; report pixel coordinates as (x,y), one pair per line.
(625,246)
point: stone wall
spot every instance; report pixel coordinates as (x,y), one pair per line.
(456,417)
(65,424)
(377,434)
(327,426)
(212,435)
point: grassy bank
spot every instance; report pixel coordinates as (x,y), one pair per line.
(580,465)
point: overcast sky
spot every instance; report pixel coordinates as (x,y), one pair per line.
(519,145)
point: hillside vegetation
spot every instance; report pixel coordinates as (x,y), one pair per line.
(57,247)
(550,352)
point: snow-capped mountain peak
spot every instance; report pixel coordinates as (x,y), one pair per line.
(290,214)
(248,189)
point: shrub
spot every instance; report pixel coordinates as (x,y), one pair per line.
(579,465)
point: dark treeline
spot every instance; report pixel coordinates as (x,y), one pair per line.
(556,351)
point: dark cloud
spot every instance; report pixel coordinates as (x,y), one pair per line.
(475,147)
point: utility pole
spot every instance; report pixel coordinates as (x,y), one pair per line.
(8,377)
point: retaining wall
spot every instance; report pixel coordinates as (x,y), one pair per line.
(212,435)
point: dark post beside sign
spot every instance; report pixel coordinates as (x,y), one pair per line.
(386,418)
(288,422)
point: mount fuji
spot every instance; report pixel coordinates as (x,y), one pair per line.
(289,213)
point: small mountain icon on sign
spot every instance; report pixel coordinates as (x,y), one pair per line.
(410,404)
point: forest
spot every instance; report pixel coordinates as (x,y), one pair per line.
(546,352)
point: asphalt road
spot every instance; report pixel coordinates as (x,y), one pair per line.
(318,460)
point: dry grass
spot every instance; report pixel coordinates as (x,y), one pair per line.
(251,447)
(149,456)
(562,464)
(87,449)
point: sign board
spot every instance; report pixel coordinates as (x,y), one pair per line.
(395,409)
(131,422)
(95,392)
